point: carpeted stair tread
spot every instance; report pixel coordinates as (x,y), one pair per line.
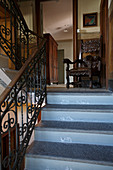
(90,126)
(77,107)
(83,152)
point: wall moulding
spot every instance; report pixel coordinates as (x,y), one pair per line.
(88,35)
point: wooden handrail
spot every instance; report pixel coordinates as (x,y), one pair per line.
(21,71)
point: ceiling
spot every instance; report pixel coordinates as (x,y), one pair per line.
(57,19)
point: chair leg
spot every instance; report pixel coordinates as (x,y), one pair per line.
(99,81)
(74,79)
(91,83)
(67,85)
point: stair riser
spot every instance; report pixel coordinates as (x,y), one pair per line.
(11,74)
(4,61)
(1,89)
(73,137)
(79,99)
(77,116)
(33,163)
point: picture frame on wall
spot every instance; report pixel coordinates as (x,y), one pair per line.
(90,19)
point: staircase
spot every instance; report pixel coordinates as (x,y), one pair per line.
(76,133)
(6,74)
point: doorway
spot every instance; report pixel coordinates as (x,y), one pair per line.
(60,67)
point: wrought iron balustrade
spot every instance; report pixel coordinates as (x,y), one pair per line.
(20,105)
(23,98)
(16,40)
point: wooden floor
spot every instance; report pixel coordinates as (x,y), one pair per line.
(62,88)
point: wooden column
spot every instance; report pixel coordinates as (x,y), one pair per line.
(104,33)
(75,26)
(107,41)
(38,20)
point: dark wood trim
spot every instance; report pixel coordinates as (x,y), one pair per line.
(38,19)
(75,26)
(111,11)
(107,43)
(104,32)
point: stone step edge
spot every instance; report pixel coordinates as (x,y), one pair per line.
(74,130)
(77,109)
(9,70)
(70,159)
(82,93)
(4,56)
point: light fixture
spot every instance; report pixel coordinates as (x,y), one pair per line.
(65,30)
(78,30)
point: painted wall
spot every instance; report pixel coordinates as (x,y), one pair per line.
(88,6)
(67,46)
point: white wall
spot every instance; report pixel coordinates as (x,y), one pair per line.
(67,46)
(85,7)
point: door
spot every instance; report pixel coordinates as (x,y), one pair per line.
(60,67)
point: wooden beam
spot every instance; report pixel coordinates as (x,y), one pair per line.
(104,33)
(38,20)
(107,41)
(75,26)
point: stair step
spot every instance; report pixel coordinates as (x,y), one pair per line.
(47,155)
(78,113)
(10,73)
(77,126)
(4,61)
(84,98)
(1,89)
(75,132)
(4,81)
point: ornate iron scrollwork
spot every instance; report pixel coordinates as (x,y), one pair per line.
(20,109)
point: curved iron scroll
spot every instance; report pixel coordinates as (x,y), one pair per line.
(16,40)
(21,106)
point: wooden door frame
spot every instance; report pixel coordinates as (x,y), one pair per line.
(75,27)
(104,25)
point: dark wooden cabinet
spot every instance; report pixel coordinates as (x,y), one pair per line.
(51,60)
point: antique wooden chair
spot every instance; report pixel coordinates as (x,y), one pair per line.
(89,66)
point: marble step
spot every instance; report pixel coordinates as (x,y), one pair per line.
(10,73)
(4,61)
(62,156)
(81,98)
(75,132)
(78,113)
(4,81)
